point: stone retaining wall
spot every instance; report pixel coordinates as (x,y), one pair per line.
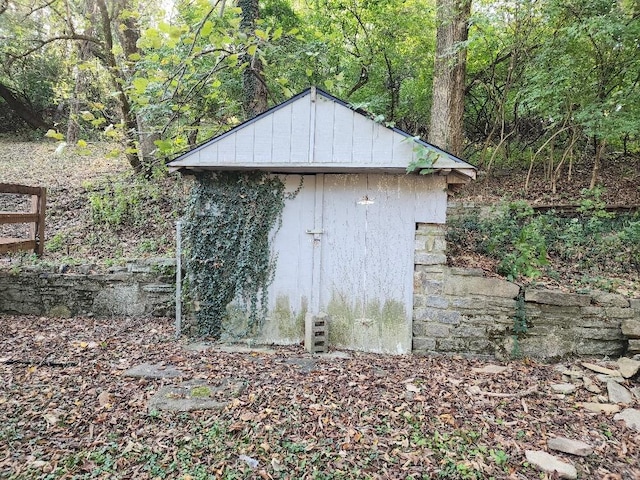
(455,310)
(140,288)
(462,311)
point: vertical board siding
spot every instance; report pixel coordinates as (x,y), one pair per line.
(301,133)
(390,241)
(226,153)
(343,250)
(362,149)
(263,139)
(342,135)
(367,261)
(382,145)
(300,118)
(324,132)
(244,144)
(292,248)
(282,134)
(430,202)
(366,253)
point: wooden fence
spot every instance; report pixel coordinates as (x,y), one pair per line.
(35,218)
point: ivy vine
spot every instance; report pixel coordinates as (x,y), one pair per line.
(520,325)
(229,219)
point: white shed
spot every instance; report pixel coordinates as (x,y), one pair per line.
(346,245)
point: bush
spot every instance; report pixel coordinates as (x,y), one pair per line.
(527,244)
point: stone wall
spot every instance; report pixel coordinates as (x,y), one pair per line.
(140,288)
(455,310)
(462,311)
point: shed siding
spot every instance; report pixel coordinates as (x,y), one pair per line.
(282,133)
(304,133)
(323,141)
(366,257)
(362,149)
(300,119)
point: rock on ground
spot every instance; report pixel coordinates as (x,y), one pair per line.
(618,393)
(564,388)
(566,445)
(148,370)
(550,464)
(628,367)
(600,407)
(631,418)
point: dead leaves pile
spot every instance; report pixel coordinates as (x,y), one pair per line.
(66,411)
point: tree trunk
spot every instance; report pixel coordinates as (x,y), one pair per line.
(118,82)
(599,144)
(129,34)
(80,79)
(255,89)
(447,109)
(23,109)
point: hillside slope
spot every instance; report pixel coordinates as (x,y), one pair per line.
(97,212)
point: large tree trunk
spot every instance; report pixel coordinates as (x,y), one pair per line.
(79,75)
(255,89)
(23,109)
(129,34)
(447,110)
(118,82)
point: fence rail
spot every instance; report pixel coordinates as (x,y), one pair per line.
(35,219)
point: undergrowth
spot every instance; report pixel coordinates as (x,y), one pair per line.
(591,245)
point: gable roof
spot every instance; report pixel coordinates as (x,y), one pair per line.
(316,132)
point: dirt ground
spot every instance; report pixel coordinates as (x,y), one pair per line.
(68,411)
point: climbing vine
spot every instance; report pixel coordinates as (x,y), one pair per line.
(229,219)
(520,325)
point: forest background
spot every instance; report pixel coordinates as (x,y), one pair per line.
(544,92)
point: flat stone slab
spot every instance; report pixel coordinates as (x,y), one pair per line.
(226,348)
(563,388)
(631,418)
(600,407)
(618,393)
(242,349)
(628,367)
(554,297)
(550,464)
(490,369)
(148,370)
(335,355)
(306,365)
(573,447)
(190,396)
(598,369)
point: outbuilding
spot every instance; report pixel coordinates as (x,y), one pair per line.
(347,244)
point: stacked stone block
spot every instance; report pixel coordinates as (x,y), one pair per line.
(631,327)
(139,288)
(461,311)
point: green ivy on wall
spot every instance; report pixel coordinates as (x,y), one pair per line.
(230,217)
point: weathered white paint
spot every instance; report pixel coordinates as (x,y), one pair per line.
(314,133)
(360,267)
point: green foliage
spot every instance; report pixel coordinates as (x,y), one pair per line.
(228,224)
(125,202)
(56,243)
(424,160)
(518,240)
(529,244)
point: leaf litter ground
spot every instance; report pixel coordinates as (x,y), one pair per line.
(67,411)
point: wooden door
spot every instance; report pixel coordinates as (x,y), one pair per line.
(366,279)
